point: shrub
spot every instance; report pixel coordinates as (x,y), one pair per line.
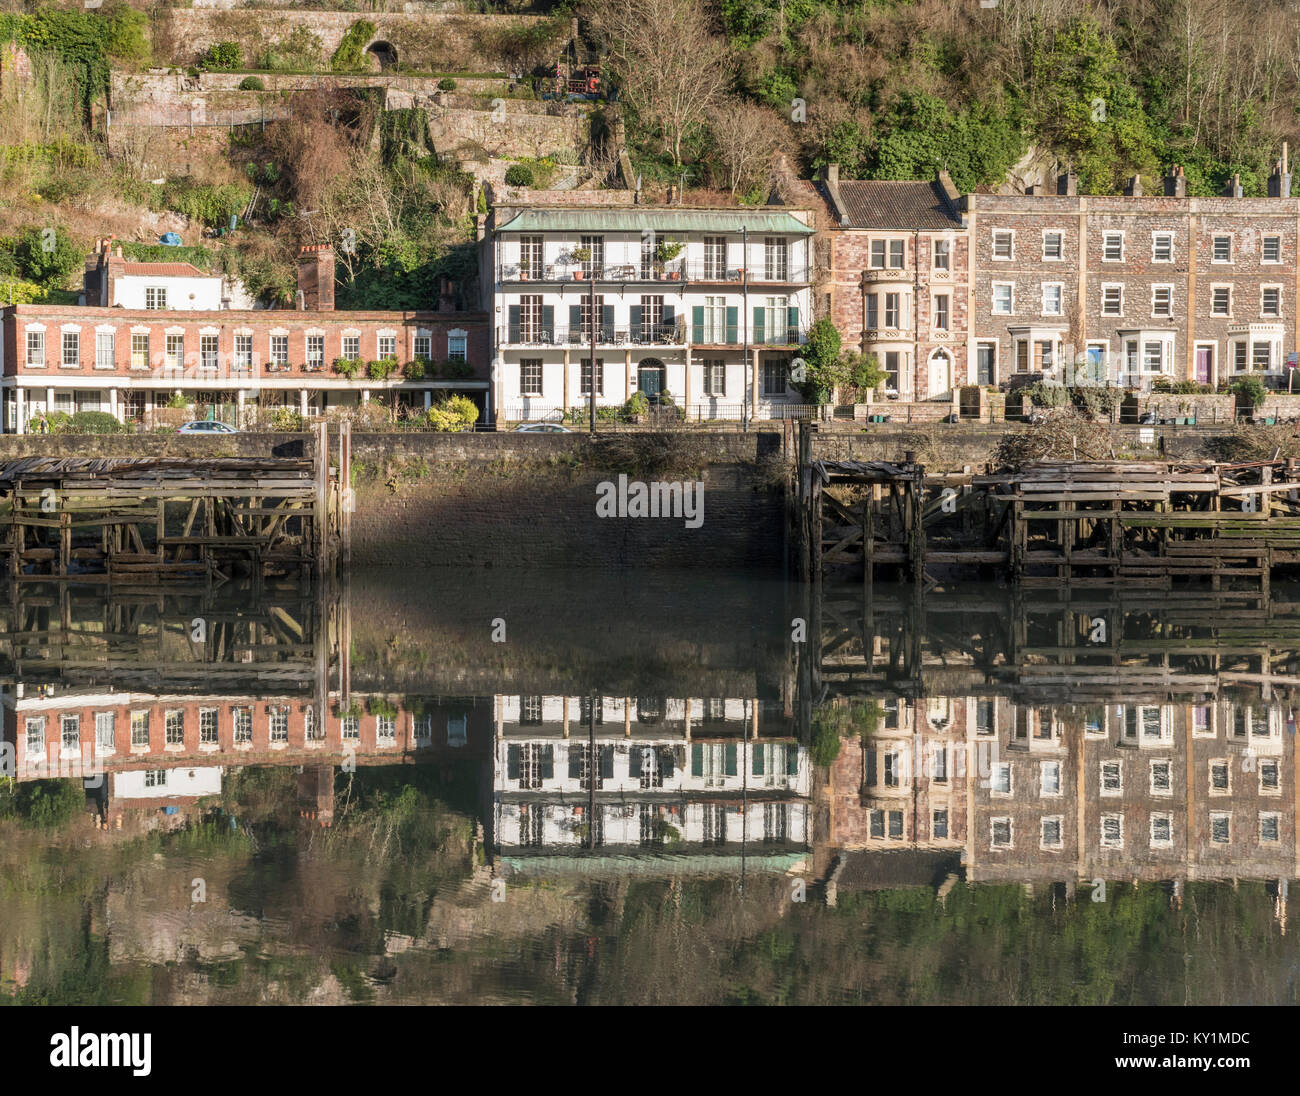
(452,415)
(446,84)
(414,371)
(637,404)
(252,83)
(1042,394)
(288,420)
(381,370)
(519,175)
(351,54)
(47,256)
(1096,402)
(347,367)
(1249,390)
(92,422)
(223,55)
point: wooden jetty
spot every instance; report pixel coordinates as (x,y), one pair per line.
(1053,523)
(150,519)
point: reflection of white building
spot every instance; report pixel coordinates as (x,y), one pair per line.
(668,775)
(707,305)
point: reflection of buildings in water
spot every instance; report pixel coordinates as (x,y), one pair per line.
(700,778)
(1153,791)
(170,751)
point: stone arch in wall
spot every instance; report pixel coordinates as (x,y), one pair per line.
(382,54)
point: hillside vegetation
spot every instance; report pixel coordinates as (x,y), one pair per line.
(708,89)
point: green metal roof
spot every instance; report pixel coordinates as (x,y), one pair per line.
(658,864)
(638,219)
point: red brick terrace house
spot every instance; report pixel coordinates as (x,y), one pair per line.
(898,281)
(146,331)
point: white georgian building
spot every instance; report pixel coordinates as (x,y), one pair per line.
(715,326)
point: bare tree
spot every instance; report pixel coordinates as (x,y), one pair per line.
(744,136)
(669,66)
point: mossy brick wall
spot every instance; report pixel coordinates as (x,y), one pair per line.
(446,42)
(506,501)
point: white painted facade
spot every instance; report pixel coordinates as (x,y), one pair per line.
(178,294)
(167,783)
(713,328)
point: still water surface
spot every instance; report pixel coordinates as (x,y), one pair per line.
(559,788)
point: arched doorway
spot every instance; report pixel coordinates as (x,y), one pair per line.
(650,378)
(383,53)
(939,386)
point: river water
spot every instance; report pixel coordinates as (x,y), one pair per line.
(560,788)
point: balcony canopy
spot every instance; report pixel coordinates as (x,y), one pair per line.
(713,221)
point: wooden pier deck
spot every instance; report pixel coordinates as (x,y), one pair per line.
(1052,523)
(147,520)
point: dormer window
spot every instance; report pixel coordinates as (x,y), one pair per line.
(155,298)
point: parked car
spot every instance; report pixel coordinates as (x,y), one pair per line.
(204,426)
(541,428)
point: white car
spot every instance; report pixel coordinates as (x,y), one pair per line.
(541,428)
(203,426)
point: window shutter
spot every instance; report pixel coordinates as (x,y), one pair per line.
(792,323)
(634,317)
(634,762)
(575,762)
(546,765)
(791,760)
(669,317)
(548,319)
(575,318)
(733,325)
(607,762)
(514,322)
(697,759)
(871,767)
(757,765)
(729,760)
(666,762)
(607,323)
(697,324)
(758,325)
(512,762)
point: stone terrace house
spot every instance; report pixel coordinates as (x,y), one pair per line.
(148,330)
(713,319)
(898,279)
(1201,289)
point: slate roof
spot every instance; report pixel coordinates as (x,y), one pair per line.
(881,203)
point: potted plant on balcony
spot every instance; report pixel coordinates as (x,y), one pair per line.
(578,256)
(347,367)
(665,252)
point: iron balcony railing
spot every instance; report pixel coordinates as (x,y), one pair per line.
(663,334)
(675,334)
(677,270)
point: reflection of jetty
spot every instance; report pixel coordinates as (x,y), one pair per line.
(1098,645)
(1054,523)
(144,520)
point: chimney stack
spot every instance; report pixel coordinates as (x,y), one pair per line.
(1134,187)
(316,277)
(1068,184)
(1233,189)
(1032,189)
(1279,183)
(1176,183)
(831,178)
